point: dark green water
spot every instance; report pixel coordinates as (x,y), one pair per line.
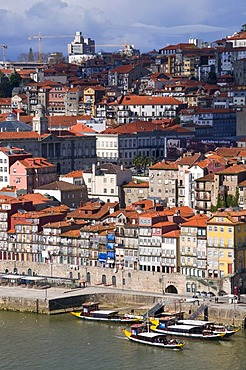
(64,342)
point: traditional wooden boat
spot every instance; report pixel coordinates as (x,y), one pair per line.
(210,325)
(91,312)
(188,331)
(139,333)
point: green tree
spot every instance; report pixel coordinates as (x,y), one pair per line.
(235,199)
(213,208)
(15,80)
(229,200)
(221,203)
(7,84)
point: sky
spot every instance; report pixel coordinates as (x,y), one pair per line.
(146,24)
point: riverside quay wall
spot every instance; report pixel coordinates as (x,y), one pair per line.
(71,300)
(130,279)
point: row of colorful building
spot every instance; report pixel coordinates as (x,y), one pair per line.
(144,236)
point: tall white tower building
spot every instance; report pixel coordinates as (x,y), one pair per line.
(80,48)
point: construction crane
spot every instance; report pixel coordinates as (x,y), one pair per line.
(4,47)
(40,38)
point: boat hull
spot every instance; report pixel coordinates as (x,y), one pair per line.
(106,319)
(160,345)
(188,335)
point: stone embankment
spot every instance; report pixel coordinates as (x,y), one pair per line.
(57,300)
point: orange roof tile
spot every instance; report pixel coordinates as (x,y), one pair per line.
(196,222)
(234,169)
(136,184)
(172,234)
(149,100)
(163,165)
(228,152)
(188,160)
(209,177)
(73,174)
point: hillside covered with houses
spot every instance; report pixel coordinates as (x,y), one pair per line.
(127,162)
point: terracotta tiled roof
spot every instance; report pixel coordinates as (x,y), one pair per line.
(196,222)
(73,174)
(242,184)
(209,177)
(172,234)
(165,166)
(65,121)
(37,162)
(149,100)
(71,234)
(242,153)
(188,160)
(238,36)
(144,204)
(228,152)
(234,169)
(136,184)
(181,46)
(60,185)
(80,127)
(97,211)
(35,198)
(184,211)
(19,135)
(204,163)
(226,215)
(123,69)
(4,101)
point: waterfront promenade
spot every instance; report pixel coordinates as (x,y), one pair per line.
(141,300)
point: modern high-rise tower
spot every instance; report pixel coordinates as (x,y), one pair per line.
(80,47)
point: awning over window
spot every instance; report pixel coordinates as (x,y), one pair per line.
(110,237)
(102,257)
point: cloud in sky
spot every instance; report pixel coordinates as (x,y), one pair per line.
(146,24)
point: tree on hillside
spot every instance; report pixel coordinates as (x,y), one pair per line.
(7,84)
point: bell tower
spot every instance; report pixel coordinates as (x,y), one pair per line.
(39,121)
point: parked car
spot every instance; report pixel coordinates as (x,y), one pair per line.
(210,294)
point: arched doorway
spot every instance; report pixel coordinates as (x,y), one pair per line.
(88,277)
(104,279)
(114,280)
(15,270)
(29,272)
(171,289)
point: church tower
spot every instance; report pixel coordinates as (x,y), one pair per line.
(39,121)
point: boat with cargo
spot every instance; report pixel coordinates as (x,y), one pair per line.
(210,325)
(140,334)
(90,311)
(184,330)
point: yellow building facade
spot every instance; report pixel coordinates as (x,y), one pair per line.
(226,244)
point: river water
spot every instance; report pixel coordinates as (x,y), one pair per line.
(64,342)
